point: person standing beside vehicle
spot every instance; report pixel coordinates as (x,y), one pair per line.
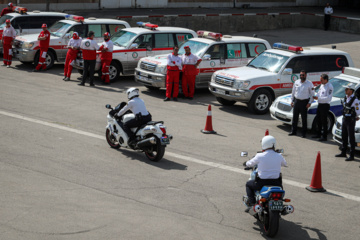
(89,48)
(74,47)
(7,10)
(351,114)
(301,98)
(324,96)
(173,74)
(106,49)
(8,37)
(328,10)
(44,42)
(269,164)
(190,63)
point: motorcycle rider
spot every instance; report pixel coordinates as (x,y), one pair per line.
(269,164)
(137,106)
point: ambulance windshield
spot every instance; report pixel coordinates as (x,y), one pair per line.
(197,48)
(58,29)
(123,38)
(268,61)
(3,19)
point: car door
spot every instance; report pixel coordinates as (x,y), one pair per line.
(208,67)
(164,43)
(81,29)
(99,30)
(143,42)
(21,25)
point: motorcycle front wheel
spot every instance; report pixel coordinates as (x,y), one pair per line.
(111,139)
(271,223)
(156,152)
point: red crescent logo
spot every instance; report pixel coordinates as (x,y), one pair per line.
(116,28)
(256,49)
(337,63)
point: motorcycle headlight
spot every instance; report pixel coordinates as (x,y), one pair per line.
(28,45)
(161,69)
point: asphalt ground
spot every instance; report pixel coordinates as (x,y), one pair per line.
(60,180)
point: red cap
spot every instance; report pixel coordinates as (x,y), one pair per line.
(186,47)
(44,25)
(106,34)
(7,21)
(10,5)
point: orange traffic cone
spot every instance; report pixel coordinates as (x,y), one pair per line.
(267,132)
(316,185)
(208,126)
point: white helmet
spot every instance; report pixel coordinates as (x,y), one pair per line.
(268,142)
(132,92)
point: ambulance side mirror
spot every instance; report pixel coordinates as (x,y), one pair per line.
(207,57)
(134,46)
(287,71)
(67,35)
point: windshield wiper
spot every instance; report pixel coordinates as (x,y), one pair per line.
(264,68)
(252,66)
(117,44)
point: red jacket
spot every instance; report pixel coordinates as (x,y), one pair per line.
(44,44)
(5,11)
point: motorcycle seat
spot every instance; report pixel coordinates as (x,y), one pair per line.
(266,191)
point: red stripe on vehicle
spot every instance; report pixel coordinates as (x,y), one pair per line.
(156,16)
(261,14)
(279,85)
(185,15)
(212,14)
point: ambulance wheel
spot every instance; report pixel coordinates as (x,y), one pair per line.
(260,102)
(50,59)
(330,121)
(225,102)
(152,88)
(114,71)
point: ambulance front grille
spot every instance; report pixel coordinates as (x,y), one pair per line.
(284,107)
(224,81)
(148,66)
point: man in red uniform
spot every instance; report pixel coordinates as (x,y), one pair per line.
(190,63)
(44,41)
(173,74)
(7,10)
(106,49)
(74,47)
(8,37)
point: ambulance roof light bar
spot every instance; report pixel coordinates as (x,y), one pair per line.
(288,47)
(74,18)
(211,35)
(147,25)
(20,10)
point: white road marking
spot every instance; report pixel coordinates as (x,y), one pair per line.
(175,155)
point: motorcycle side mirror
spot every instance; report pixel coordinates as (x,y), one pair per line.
(108,106)
(280,150)
(244,154)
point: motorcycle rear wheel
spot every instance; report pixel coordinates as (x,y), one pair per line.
(271,223)
(111,139)
(156,152)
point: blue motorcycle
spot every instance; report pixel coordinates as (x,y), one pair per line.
(270,204)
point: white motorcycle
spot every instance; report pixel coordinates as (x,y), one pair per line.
(150,138)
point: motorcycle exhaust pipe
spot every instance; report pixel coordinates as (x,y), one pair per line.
(255,209)
(287,210)
(147,142)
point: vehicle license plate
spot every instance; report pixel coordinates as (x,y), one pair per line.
(145,79)
(220,91)
(280,115)
(165,141)
(338,132)
(143,74)
(276,205)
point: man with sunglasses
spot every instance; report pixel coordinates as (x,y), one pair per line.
(301,98)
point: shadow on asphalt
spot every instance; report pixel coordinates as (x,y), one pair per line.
(291,230)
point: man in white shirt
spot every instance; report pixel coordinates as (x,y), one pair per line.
(190,63)
(106,49)
(74,47)
(324,96)
(8,37)
(88,47)
(269,165)
(301,98)
(174,67)
(327,11)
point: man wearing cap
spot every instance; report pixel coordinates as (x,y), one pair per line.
(44,42)
(324,96)
(7,10)
(106,49)
(190,63)
(301,98)
(8,37)
(74,47)
(351,114)
(89,48)
(173,74)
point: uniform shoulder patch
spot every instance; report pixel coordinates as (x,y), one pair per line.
(357,108)
(356,104)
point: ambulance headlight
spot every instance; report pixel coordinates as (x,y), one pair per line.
(241,84)
(28,45)
(213,77)
(161,69)
(139,63)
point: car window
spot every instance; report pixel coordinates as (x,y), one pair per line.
(197,48)
(35,21)
(59,28)
(339,87)
(334,62)
(144,40)
(216,51)
(297,64)
(268,61)
(21,23)
(122,38)
(256,49)
(113,28)
(3,19)
(98,29)
(164,40)
(235,50)
(80,29)
(182,37)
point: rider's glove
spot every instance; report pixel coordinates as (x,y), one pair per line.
(244,164)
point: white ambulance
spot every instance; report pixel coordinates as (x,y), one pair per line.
(26,48)
(217,52)
(132,44)
(272,74)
